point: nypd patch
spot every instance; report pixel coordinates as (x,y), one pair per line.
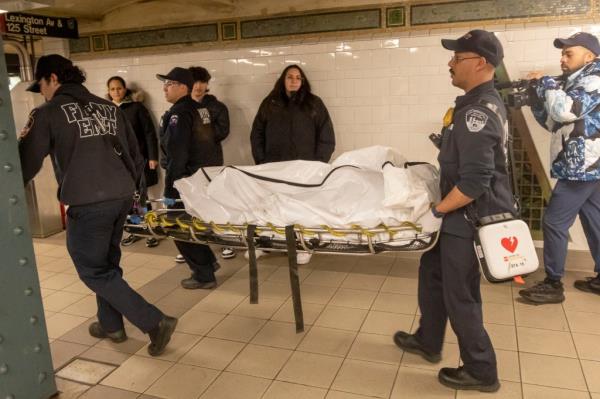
(475,120)
(27,128)
(173,121)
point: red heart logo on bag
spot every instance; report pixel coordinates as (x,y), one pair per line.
(510,243)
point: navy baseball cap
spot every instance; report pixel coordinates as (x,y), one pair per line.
(582,39)
(479,41)
(181,75)
(47,64)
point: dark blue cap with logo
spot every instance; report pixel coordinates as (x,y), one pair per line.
(582,39)
(181,75)
(478,41)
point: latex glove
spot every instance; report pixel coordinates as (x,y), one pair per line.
(135,219)
(429,223)
(168,201)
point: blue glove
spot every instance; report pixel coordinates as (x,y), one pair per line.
(135,219)
(168,201)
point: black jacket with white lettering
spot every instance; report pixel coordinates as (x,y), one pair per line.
(87,168)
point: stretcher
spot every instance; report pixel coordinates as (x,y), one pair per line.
(178,225)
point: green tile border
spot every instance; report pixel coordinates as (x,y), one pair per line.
(288,25)
(395,16)
(99,42)
(162,37)
(81,45)
(229,31)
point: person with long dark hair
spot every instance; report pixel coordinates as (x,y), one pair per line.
(292,123)
(138,116)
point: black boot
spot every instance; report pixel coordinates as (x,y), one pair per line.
(547,291)
(96,331)
(161,335)
(409,343)
(461,379)
(589,284)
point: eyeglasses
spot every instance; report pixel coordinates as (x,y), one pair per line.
(168,83)
(455,59)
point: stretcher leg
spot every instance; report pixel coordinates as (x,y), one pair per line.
(252,264)
(290,238)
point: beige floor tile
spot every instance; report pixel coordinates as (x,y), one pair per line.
(44,275)
(311,369)
(78,287)
(219,302)
(237,328)
(44,292)
(595,395)
(60,323)
(541,392)
(549,317)
(546,342)
(80,335)
(264,309)
(318,294)
(342,318)
(70,389)
(386,323)
(395,303)
(587,346)
(360,281)
(310,312)
(584,322)
(212,353)
(498,313)
(180,297)
(183,382)
(501,293)
(274,290)
(279,335)
(367,266)
(375,348)
(508,390)
(419,383)
(63,352)
(198,322)
(137,374)
(582,302)
(135,341)
(502,336)
(59,281)
(327,341)
(282,275)
(345,395)
(103,392)
(508,365)
(86,307)
(365,378)
(400,285)
(591,370)
(105,356)
(59,251)
(279,390)
(450,358)
(179,345)
(552,371)
(260,361)
(350,298)
(56,265)
(142,275)
(229,386)
(326,278)
(85,371)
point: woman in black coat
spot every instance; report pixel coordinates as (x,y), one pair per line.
(141,122)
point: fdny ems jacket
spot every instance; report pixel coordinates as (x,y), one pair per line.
(187,142)
(87,168)
(218,121)
(572,114)
(473,157)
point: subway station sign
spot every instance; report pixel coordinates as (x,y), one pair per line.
(38,25)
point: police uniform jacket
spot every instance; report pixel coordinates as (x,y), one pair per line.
(286,131)
(187,142)
(473,157)
(87,168)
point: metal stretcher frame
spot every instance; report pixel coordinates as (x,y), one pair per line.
(178,225)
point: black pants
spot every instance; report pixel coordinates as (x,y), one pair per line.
(93,240)
(449,281)
(199,257)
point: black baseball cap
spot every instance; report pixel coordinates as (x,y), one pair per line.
(582,39)
(47,64)
(181,75)
(479,41)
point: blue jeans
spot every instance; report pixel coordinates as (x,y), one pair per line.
(93,240)
(569,199)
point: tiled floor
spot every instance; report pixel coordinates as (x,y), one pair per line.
(226,348)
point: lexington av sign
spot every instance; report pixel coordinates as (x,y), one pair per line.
(38,25)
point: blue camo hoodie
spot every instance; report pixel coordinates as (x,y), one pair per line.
(572,114)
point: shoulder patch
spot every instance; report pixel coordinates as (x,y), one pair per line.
(27,128)
(475,120)
(173,120)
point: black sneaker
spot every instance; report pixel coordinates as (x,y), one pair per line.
(127,241)
(96,331)
(590,284)
(409,343)
(459,378)
(193,284)
(161,335)
(151,242)
(547,291)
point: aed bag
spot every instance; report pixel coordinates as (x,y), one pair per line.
(504,248)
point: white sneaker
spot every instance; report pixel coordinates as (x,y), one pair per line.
(227,253)
(179,258)
(257,252)
(302,258)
